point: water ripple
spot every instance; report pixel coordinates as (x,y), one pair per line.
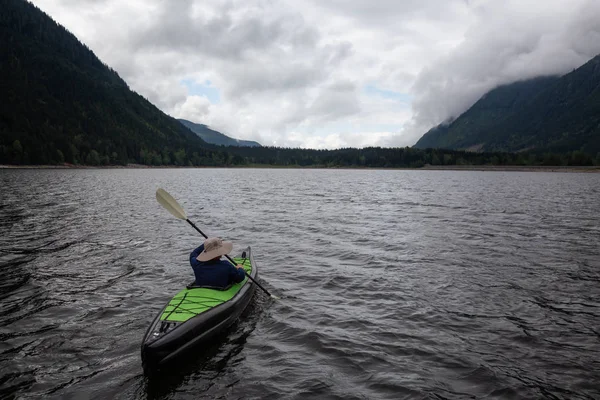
(394,284)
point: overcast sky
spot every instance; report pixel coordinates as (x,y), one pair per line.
(329,73)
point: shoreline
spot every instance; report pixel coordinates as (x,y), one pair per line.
(481,168)
(513,168)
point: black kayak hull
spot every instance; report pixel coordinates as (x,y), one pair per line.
(165,342)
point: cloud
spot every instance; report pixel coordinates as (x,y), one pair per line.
(508,42)
(329,73)
(279,67)
(196,108)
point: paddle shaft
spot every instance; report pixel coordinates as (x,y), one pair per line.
(230,259)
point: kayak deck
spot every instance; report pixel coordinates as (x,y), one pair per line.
(189,303)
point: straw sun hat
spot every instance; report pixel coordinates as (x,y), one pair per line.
(213,248)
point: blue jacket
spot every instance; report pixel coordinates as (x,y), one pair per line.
(218,274)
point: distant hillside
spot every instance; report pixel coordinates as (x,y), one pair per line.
(557,114)
(490,110)
(60,103)
(215,137)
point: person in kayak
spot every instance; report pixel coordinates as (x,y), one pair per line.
(210,270)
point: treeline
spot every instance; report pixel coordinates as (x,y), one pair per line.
(405,157)
(80,152)
(371,157)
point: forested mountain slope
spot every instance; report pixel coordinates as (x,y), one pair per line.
(554,114)
(60,103)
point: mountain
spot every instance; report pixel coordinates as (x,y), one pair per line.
(60,103)
(550,114)
(490,110)
(214,137)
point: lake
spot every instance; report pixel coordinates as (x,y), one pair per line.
(393,284)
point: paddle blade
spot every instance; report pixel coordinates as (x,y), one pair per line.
(170,204)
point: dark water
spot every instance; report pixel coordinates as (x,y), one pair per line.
(394,284)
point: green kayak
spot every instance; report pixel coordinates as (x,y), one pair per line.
(196,314)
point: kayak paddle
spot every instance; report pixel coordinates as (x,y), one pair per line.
(172,206)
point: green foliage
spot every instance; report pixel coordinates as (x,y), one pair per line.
(406,157)
(17,152)
(93,158)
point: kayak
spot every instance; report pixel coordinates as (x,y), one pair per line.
(195,315)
